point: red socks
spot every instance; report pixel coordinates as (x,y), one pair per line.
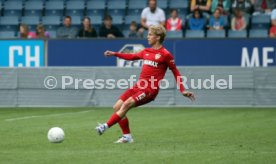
(113,120)
(124,126)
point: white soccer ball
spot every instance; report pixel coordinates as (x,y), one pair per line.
(56,135)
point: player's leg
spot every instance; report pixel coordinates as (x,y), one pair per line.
(123,123)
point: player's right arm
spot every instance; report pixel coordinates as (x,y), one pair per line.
(136,56)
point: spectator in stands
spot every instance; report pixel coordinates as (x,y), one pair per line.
(197,21)
(152,15)
(223,5)
(24,32)
(108,30)
(263,6)
(244,5)
(238,22)
(134,32)
(216,21)
(174,23)
(41,33)
(67,31)
(202,5)
(272,30)
(87,31)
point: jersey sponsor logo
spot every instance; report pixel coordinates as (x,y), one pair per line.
(141,96)
(157,56)
(151,63)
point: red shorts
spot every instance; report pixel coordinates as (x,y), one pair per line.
(141,96)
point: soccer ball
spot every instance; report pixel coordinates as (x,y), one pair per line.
(56,135)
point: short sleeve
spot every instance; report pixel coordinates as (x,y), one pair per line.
(144,13)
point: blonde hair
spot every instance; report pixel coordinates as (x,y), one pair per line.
(158,30)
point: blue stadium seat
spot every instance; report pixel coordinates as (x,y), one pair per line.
(125,33)
(7,34)
(75,8)
(31,21)
(9,23)
(174,34)
(117,20)
(130,18)
(76,20)
(134,12)
(51,23)
(118,4)
(180,4)
(118,12)
(95,12)
(54,8)
(33,8)
(237,34)
(216,34)
(260,22)
(261,33)
(96,20)
(162,4)
(95,4)
(13,8)
(194,34)
(134,4)
(117,7)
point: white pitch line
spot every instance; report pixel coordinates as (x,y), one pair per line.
(48,115)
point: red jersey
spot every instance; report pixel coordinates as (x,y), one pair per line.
(155,65)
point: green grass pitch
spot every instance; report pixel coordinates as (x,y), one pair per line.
(162,135)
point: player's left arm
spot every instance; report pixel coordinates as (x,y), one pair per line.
(177,76)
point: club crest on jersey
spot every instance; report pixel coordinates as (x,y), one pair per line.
(157,56)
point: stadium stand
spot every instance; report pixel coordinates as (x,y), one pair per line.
(9,23)
(7,34)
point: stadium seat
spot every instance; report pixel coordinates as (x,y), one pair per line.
(7,34)
(33,8)
(134,4)
(125,33)
(9,23)
(13,8)
(135,12)
(95,4)
(194,34)
(95,12)
(260,22)
(174,34)
(178,4)
(117,20)
(130,18)
(118,4)
(76,20)
(51,23)
(237,34)
(96,20)
(216,34)
(75,8)
(162,4)
(261,33)
(54,8)
(31,21)
(116,12)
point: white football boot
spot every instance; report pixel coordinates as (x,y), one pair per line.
(124,139)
